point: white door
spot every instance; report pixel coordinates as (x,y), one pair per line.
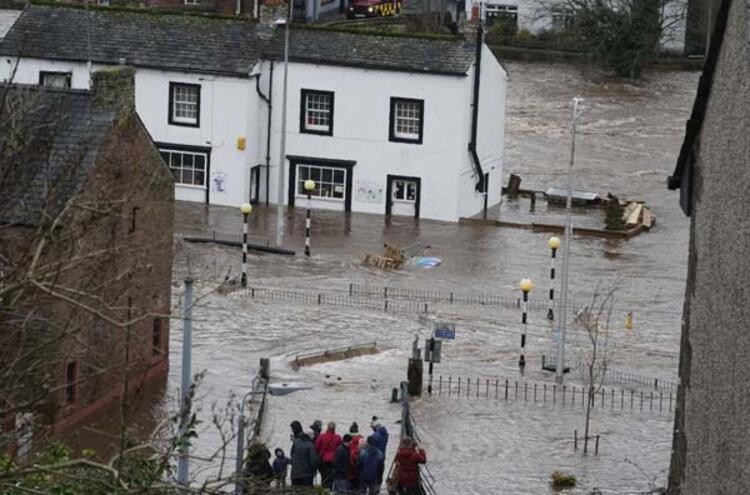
(403,197)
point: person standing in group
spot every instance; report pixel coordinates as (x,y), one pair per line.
(316,428)
(325,446)
(304,460)
(408,459)
(380,433)
(354,447)
(341,465)
(371,467)
(280,467)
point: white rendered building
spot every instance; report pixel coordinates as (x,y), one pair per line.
(384,124)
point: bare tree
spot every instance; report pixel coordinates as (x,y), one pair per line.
(597,352)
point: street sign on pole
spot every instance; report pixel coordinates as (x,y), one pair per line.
(445,330)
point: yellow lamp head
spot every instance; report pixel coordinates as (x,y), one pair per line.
(526,285)
(554,242)
(246,208)
(309,185)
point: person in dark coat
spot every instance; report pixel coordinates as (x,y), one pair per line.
(304,460)
(380,433)
(371,467)
(280,466)
(257,472)
(408,458)
(354,446)
(340,467)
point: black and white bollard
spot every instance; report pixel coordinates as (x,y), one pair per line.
(526,287)
(309,188)
(553,243)
(246,209)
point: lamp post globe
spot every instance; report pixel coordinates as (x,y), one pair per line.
(526,285)
(246,208)
(554,242)
(309,185)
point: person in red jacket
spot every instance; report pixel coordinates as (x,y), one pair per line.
(325,446)
(409,457)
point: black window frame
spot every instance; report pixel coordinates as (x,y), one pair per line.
(163,146)
(170,111)
(392,121)
(304,93)
(348,165)
(44,73)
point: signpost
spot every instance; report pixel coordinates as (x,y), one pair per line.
(433,347)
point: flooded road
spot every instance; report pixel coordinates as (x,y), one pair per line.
(629,137)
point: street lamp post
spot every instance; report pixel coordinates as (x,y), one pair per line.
(309,188)
(553,244)
(282,138)
(561,322)
(526,287)
(246,209)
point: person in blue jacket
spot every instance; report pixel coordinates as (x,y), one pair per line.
(380,433)
(371,468)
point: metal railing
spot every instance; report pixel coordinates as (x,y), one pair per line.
(450,297)
(553,394)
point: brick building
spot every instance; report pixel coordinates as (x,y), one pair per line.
(85,250)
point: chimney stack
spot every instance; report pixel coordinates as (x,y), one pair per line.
(113,89)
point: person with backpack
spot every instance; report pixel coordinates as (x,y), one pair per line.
(325,446)
(340,468)
(371,467)
(304,460)
(408,459)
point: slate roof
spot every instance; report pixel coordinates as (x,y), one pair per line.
(207,44)
(61,132)
(388,52)
(144,39)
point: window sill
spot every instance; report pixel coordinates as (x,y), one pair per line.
(396,139)
(190,186)
(317,132)
(184,124)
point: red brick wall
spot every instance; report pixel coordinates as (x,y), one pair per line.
(98,260)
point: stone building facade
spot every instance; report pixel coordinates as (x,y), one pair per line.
(711,443)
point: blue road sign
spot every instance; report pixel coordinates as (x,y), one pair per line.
(445,331)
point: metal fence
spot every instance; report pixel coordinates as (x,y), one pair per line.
(333,299)
(451,297)
(635,380)
(552,394)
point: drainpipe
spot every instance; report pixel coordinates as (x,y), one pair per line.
(269,101)
(480,186)
(238,7)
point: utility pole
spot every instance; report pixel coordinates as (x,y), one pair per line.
(563,313)
(282,139)
(187,343)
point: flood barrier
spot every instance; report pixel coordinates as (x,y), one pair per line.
(338,354)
